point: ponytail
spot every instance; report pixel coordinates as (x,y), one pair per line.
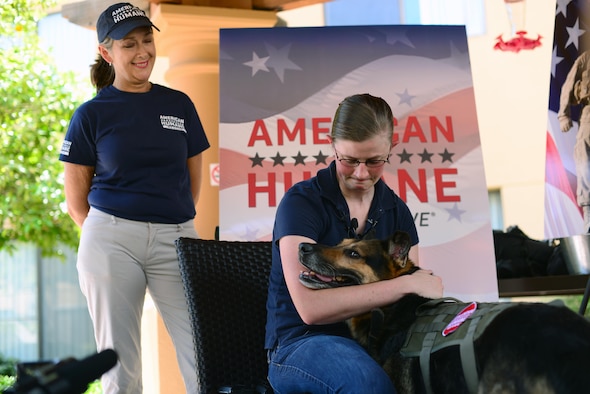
(102,73)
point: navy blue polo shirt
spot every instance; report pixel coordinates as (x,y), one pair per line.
(315,208)
(138,144)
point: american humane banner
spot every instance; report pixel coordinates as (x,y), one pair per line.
(279,88)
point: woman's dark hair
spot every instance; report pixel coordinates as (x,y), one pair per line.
(102,74)
(360,117)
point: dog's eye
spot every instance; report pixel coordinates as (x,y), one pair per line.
(353,254)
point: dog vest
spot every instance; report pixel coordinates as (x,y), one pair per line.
(448,322)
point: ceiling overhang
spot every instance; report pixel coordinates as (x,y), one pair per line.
(85,13)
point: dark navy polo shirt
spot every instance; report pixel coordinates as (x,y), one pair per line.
(315,208)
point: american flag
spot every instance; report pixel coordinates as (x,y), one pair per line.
(563,216)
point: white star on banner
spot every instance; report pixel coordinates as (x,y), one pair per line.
(257,63)
(555,62)
(405,97)
(279,60)
(398,36)
(455,213)
(574,33)
(562,7)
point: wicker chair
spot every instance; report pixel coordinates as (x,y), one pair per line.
(226,285)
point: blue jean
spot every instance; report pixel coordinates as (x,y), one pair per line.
(326,364)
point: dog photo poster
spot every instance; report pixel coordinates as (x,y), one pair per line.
(279,89)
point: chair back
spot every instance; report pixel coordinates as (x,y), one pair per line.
(226,284)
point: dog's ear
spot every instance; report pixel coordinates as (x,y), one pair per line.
(398,248)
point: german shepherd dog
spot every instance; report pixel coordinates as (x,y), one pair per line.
(526,348)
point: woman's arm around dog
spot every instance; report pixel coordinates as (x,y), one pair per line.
(334,305)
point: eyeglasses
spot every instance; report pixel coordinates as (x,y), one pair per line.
(370,163)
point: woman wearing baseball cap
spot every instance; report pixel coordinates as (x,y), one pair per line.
(132,160)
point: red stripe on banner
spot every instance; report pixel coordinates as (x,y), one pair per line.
(555,173)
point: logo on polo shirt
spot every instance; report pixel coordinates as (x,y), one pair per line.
(172,123)
(65,148)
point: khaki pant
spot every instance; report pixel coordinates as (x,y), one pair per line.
(118,260)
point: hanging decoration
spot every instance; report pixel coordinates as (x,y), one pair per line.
(515,10)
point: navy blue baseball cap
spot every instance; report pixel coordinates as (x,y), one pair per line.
(119,20)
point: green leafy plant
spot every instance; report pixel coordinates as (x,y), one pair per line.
(7,372)
(36,103)
(7,366)
(6,382)
(94,388)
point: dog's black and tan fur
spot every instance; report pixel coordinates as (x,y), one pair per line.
(528,348)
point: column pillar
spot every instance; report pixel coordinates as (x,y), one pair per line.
(189,37)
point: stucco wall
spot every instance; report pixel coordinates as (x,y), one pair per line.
(512,93)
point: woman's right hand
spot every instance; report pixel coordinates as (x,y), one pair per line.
(427,284)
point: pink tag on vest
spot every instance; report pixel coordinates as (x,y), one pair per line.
(459,319)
